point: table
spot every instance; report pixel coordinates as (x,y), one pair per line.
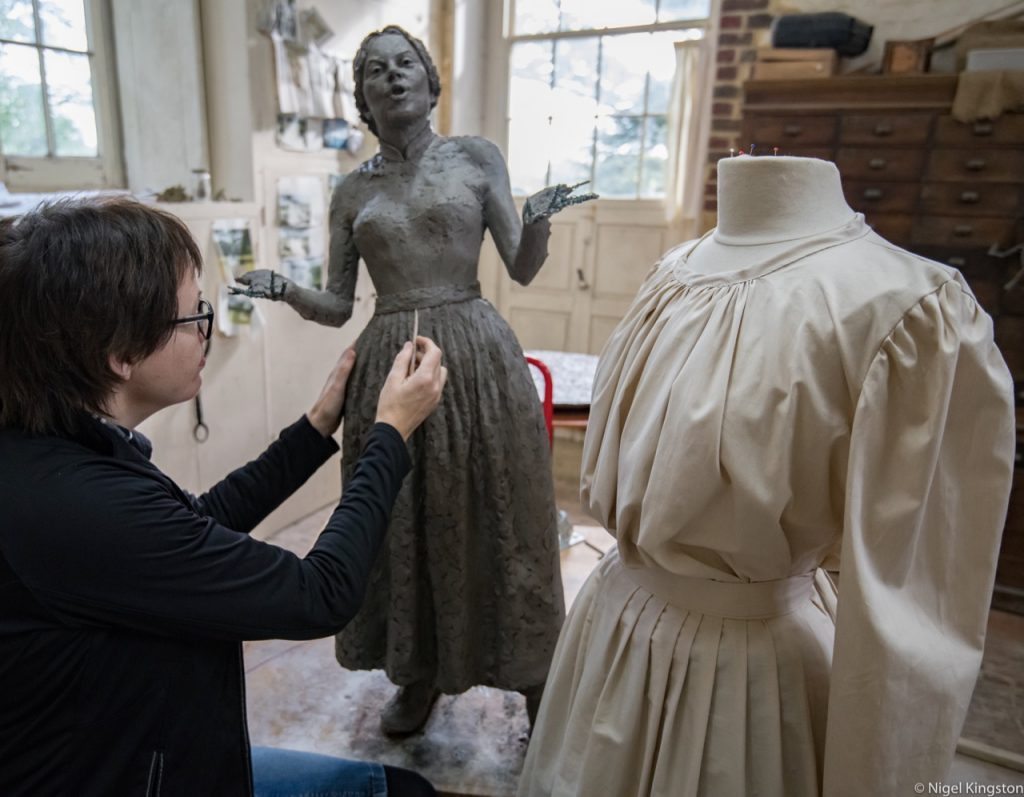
(572,377)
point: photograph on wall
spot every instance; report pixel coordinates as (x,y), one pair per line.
(300,202)
(298,134)
(234,246)
(335,133)
(233,239)
(302,255)
(234,312)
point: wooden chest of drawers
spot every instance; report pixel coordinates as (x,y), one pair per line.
(921,178)
(929,183)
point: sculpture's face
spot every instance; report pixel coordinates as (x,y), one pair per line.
(395,82)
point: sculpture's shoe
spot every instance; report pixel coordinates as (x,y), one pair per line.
(533,695)
(409,709)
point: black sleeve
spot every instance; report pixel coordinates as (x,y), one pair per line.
(138,558)
(247,495)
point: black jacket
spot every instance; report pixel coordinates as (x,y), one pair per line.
(123,602)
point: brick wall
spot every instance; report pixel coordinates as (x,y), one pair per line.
(743,27)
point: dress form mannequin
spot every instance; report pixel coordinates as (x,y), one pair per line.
(764,204)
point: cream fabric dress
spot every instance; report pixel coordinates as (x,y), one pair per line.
(843,397)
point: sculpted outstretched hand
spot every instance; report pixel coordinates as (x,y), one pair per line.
(262,284)
(550,200)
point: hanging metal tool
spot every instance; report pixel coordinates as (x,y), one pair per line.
(201,432)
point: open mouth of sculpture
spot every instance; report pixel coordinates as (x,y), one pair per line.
(399,92)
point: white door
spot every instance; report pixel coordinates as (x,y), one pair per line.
(598,256)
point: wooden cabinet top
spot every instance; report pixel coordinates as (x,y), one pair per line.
(853,91)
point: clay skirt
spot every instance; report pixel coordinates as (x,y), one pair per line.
(467,589)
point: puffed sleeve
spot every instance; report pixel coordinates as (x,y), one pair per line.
(929,476)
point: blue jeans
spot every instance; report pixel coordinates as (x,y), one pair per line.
(290,773)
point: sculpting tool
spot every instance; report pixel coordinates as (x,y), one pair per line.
(415,333)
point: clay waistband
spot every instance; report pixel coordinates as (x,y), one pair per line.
(418,298)
(753,600)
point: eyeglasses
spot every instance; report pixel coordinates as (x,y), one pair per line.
(203,319)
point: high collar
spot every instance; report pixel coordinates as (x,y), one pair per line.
(123,435)
(415,149)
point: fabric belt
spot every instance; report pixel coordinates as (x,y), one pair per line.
(753,600)
(417,298)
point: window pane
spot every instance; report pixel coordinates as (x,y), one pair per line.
(584,14)
(536,16)
(22,127)
(530,87)
(655,167)
(672,10)
(576,75)
(69,83)
(661,63)
(63,23)
(572,148)
(528,154)
(624,73)
(618,156)
(16,20)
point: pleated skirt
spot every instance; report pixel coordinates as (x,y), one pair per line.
(467,590)
(645,698)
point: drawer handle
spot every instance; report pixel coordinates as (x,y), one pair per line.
(957,262)
(963,230)
(883,129)
(969,197)
(793,130)
(873,193)
(878,163)
(976,164)
(982,128)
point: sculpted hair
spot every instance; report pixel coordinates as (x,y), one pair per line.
(81,280)
(359,65)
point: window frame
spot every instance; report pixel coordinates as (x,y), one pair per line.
(106,169)
(511,38)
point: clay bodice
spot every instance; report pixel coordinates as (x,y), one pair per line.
(420,222)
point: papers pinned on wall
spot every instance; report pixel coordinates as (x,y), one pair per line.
(233,239)
(302,233)
(314,86)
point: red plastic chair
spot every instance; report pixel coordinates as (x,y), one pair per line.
(549,392)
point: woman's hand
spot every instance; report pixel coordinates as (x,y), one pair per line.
(326,413)
(407,399)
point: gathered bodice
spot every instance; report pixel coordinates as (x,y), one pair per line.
(727,406)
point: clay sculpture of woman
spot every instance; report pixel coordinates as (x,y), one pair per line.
(467,590)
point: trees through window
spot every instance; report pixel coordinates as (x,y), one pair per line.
(590,89)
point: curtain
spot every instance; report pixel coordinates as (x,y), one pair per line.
(690,122)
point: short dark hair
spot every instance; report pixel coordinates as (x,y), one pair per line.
(81,280)
(359,65)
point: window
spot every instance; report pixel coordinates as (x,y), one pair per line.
(590,89)
(55,126)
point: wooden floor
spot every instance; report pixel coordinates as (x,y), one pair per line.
(474,743)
